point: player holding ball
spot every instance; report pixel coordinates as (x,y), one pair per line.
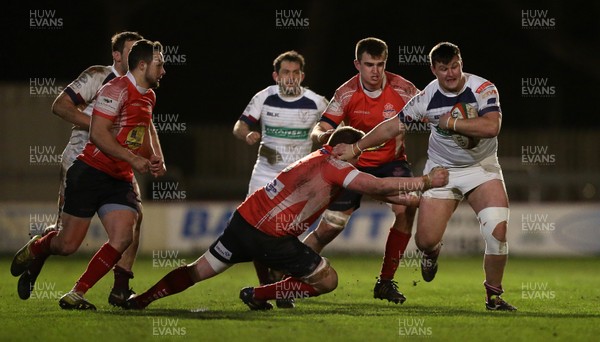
(466,145)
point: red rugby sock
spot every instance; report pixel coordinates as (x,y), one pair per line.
(41,247)
(102,262)
(285,289)
(394,250)
(174,282)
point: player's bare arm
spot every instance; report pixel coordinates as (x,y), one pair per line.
(321,132)
(64,107)
(485,126)
(242,131)
(383,132)
(101,135)
(394,186)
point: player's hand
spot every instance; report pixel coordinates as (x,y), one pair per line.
(438,177)
(324,137)
(140,164)
(343,151)
(157,166)
(252,138)
(444,121)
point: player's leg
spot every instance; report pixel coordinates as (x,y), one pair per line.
(28,262)
(178,280)
(432,219)
(310,274)
(227,250)
(398,237)
(490,202)
(123,270)
(34,254)
(118,221)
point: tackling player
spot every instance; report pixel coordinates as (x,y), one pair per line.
(266,225)
(287,112)
(475,174)
(364,101)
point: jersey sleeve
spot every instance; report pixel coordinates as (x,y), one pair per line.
(110,100)
(488,99)
(84,88)
(415,109)
(338,172)
(252,113)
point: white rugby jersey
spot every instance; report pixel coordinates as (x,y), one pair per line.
(286,122)
(83,91)
(432,102)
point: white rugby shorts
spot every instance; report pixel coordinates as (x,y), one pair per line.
(461,180)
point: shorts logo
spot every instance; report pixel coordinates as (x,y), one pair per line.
(224,252)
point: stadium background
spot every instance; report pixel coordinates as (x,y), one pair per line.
(543,57)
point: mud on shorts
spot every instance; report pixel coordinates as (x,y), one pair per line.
(241,242)
(348,199)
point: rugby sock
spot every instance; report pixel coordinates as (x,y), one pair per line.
(285,289)
(174,282)
(102,262)
(394,250)
(41,247)
(492,290)
(122,277)
(262,272)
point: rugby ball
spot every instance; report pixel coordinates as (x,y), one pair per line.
(463,111)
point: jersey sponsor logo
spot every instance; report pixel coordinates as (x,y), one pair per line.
(287,133)
(275,115)
(273,188)
(107,105)
(364,112)
(224,252)
(483,86)
(135,137)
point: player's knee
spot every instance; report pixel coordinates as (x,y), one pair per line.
(324,278)
(63,247)
(425,243)
(493,222)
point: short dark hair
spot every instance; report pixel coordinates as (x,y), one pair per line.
(290,56)
(143,50)
(345,135)
(443,53)
(373,46)
(118,40)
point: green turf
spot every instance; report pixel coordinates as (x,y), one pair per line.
(558,300)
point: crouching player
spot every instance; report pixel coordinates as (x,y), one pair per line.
(266,225)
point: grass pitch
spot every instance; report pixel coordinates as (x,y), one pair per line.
(557,300)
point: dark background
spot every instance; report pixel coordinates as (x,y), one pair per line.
(229,48)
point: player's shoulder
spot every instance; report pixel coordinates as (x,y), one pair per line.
(397,81)
(351,85)
(478,84)
(313,95)
(98,71)
(266,92)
